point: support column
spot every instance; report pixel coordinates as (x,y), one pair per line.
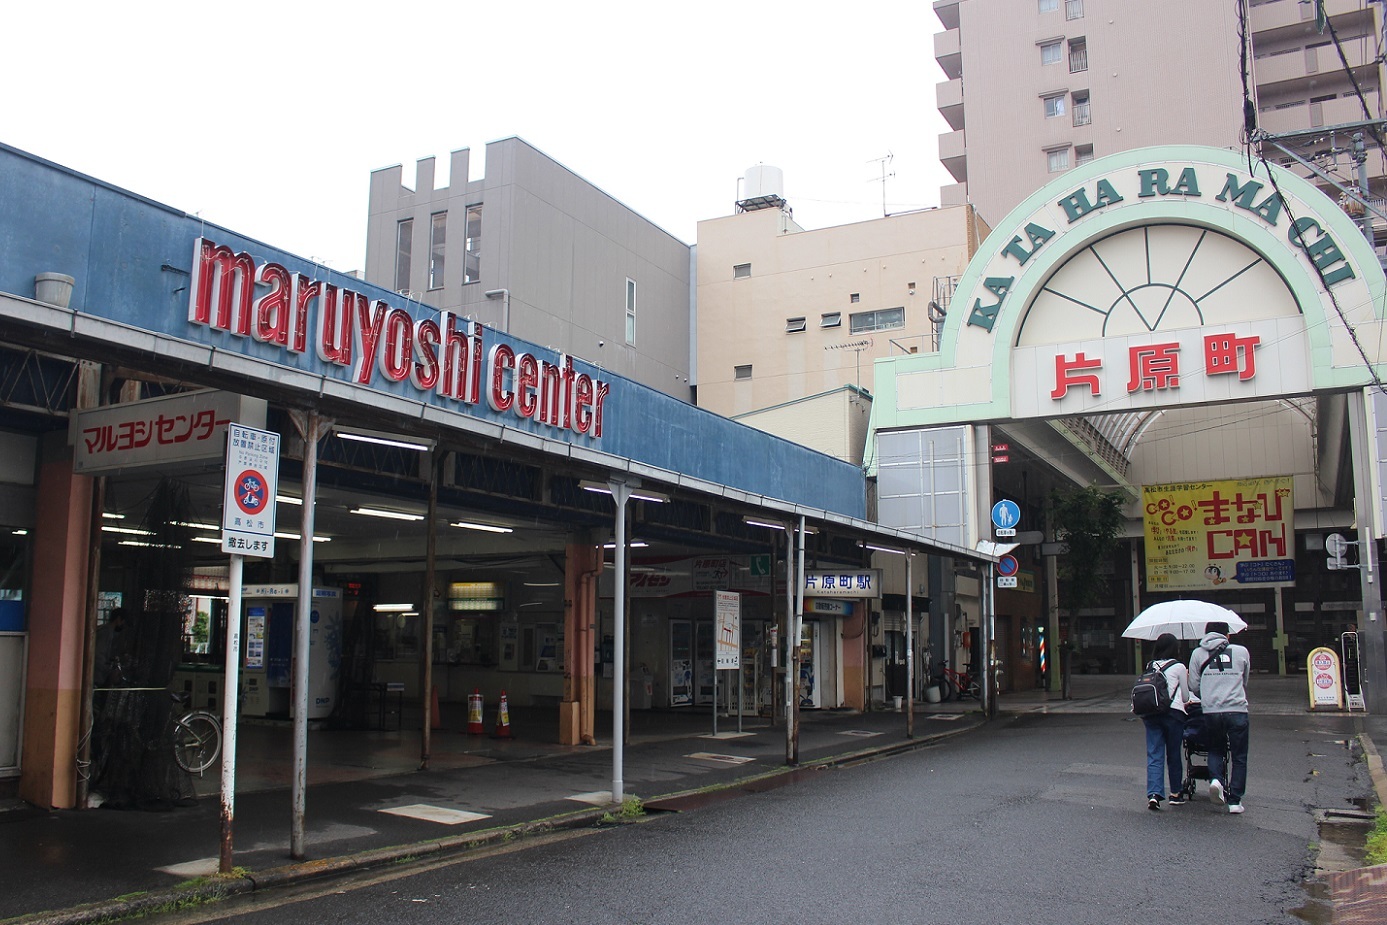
(578,711)
(1370,622)
(57,625)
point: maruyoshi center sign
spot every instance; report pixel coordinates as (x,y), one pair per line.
(1163,276)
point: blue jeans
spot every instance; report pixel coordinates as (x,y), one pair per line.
(1230,730)
(1164,734)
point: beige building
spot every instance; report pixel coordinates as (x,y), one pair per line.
(1037,87)
(790,321)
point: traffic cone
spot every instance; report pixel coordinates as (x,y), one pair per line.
(474,713)
(502,720)
(435,721)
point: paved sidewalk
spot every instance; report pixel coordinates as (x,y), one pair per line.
(369,803)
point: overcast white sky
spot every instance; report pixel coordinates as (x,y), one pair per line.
(268,118)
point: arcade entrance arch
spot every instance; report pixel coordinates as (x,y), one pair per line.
(1183,327)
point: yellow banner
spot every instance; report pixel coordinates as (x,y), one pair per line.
(1202,536)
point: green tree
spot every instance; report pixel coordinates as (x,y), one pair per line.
(1088,520)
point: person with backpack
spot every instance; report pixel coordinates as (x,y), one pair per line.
(1218,676)
(1164,718)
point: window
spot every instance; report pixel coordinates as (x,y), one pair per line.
(855,298)
(1048,6)
(741,271)
(1051,52)
(1078,55)
(1082,154)
(1054,105)
(831,319)
(1057,160)
(881,320)
(794,325)
(1082,116)
(741,372)
(472,245)
(404,240)
(630,311)
(1073,9)
(438,237)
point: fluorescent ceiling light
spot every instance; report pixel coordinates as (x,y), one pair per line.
(132,531)
(288,499)
(393,608)
(542,584)
(634,544)
(380,439)
(772,525)
(637,494)
(899,552)
(193,525)
(20,532)
(112,515)
(485,528)
(388,515)
(149,545)
(299,536)
(207,539)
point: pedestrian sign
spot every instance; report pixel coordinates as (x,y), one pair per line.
(1006,515)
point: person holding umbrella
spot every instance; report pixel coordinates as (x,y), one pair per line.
(1165,732)
(1218,676)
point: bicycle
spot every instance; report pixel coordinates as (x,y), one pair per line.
(958,684)
(196,736)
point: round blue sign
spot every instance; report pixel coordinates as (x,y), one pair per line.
(1006,514)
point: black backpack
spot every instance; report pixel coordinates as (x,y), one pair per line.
(1151,693)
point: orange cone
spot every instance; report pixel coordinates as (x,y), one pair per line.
(435,721)
(502,720)
(474,713)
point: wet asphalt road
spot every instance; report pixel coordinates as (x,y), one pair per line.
(1036,819)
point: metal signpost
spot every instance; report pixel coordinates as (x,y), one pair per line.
(248,529)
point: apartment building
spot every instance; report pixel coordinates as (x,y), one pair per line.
(1037,87)
(790,321)
(534,250)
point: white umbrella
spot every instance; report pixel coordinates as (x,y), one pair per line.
(1182,619)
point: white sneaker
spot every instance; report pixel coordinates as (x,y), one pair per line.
(1216,791)
(1235,807)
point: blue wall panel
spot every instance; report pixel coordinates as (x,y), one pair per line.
(131,259)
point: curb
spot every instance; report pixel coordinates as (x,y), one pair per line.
(219,888)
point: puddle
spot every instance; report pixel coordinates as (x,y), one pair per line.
(1317,909)
(1342,833)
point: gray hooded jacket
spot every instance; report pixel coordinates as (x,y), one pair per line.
(1222,687)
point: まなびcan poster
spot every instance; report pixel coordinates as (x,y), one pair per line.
(1203,536)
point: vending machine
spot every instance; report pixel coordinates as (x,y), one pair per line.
(270,613)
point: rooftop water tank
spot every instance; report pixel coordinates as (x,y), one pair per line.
(763,187)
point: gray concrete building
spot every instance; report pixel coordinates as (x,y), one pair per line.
(534,250)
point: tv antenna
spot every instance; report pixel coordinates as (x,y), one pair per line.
(884,165)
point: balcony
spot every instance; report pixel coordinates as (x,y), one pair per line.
(1299,64)
(1294,16)
(946,52)
(1302,115)
(953,195)
(947,11)
(953,154)
(948,98)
